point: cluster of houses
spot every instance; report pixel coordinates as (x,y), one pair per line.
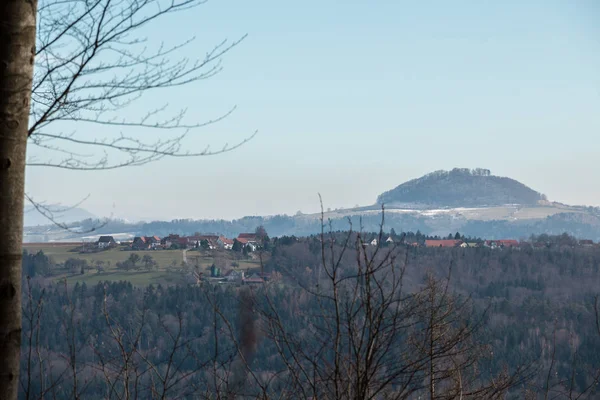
(496,244)
(248,240)
(251,242)
(492,244)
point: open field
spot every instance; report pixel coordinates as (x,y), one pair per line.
(60,252)
(508,212)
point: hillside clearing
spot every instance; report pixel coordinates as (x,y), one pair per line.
(168,270)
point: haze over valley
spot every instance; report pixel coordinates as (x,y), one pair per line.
(474,202)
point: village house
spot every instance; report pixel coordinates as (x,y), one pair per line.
(249,240)
(168,241)
(253,279)
(153,241)
(492,244)
(469,245)
(443,243)
(586,243)
(145,242)
(251,245)
(250,237)
(183,243)
(225,243)
(105,242)
(139,243)
(212,240)
(507,243)
(234,276)
(501,243)
(196,240)
(192,241)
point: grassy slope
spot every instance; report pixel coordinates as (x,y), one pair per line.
(164,258)
(61,253)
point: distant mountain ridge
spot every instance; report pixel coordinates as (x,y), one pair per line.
(61,214)
(473,202)
(461,187)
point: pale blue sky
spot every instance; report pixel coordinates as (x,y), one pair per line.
(353,98)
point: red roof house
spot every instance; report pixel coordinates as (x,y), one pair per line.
(225,242)
(507,243)
(140,243)
(250,237)
(443,243)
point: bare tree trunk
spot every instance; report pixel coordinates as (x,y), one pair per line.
(17,49)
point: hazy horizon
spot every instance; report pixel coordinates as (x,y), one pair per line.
(350,101)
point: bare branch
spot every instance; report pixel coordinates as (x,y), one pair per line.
(91,63)
(52,214)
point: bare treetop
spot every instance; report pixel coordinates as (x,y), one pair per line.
(91,62)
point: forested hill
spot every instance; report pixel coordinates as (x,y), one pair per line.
(506,309)
(461,187)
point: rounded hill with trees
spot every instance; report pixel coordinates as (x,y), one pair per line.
(461,187)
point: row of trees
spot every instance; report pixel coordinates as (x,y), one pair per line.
(40,265)
(135,262)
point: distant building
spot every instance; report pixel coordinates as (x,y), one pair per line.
(170,240)
(153,241)
(145,242)
(196,240)
(139,243)
(248,237)
(106,242)
(502,244)
(507,243)
(234,276)
(224,242)
(253,279)
(250,244)
(443,243)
